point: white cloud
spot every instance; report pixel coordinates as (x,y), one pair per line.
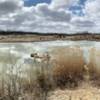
(63,4)
(92,8)
(54,17)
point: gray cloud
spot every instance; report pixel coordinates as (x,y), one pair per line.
(83,23)
(53,15)
(10,6)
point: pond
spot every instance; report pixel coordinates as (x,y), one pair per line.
(23,50)
(19,53)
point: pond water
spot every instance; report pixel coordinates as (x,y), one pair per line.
(20,52)
(23,50)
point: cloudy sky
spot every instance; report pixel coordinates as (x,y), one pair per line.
(63,16)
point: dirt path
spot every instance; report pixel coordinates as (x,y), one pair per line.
(85,92)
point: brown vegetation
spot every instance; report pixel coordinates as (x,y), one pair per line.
(63,67)
(69,65)
(94,66)
(11,36)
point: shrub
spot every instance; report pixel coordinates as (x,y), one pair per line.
(68,67)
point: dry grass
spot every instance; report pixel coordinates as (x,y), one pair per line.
(38,38)
(69,65)
(68,68)
(65,70)
(94,66)
(86,93)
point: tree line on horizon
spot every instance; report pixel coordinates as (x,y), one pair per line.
(41,33)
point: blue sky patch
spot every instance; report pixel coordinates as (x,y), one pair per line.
(78,9)
(35,2)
